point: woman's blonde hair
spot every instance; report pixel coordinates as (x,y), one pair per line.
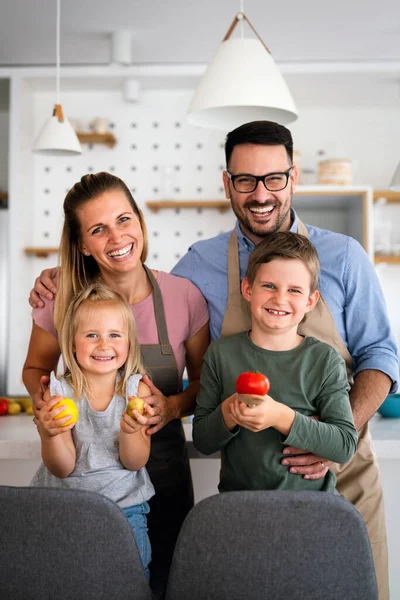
(77,270)
(94,295)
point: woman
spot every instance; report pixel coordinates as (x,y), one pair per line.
(104,236)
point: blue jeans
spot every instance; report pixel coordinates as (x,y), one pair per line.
(136,516)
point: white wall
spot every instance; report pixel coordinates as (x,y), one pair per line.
(4,123)
(368,136)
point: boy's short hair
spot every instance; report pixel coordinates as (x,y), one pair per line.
(286,245)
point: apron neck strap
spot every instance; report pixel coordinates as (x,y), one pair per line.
(302,229)
(233,265)
(159,313)
(325,317)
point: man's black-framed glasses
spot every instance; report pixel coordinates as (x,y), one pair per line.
(274,182)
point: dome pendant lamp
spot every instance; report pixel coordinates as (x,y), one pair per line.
(241,84)
(57,137)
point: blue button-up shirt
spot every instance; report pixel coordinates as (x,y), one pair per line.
(347,281)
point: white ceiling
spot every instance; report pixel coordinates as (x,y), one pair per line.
(328,41)
(176,31)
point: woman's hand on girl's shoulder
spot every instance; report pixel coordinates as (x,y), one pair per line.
(143,389)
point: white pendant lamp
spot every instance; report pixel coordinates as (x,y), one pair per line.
(241,84)
(57,136)
(395,185)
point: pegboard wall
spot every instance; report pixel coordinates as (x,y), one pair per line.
(158,155)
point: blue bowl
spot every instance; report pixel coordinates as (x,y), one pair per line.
(390,408)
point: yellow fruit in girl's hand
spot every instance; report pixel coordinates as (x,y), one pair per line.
(135,403)
(71,409)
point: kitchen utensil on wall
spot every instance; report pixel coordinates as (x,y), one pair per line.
(99,125)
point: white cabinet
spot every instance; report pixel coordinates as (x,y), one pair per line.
(344,209)
(387,233)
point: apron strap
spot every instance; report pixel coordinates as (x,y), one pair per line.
(160,314)
(237,314)
(322,314)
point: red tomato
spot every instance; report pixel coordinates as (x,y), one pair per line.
(3,406)
(252,382)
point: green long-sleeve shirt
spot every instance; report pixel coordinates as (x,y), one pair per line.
(310,378)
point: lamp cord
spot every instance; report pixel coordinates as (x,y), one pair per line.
(241,11)
(58,54)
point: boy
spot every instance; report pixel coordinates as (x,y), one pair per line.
(307,378)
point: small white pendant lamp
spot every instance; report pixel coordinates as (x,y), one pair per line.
(57,137)
(395,185)
(241,84)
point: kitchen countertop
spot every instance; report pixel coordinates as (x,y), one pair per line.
(19,438)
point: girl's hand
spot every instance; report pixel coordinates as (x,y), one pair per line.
(47,425)
(163,412)
(40,398)
(134,424)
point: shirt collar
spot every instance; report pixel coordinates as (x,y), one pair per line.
(249,245)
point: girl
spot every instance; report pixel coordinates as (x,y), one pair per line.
(106,450)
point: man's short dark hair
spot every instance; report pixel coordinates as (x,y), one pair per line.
(285,245)
(264,133)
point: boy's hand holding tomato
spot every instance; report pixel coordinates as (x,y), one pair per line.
(253,409)
(252,383)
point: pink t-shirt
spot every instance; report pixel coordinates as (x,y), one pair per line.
(185,312)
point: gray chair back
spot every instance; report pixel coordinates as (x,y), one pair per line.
(280,545)
(67,545)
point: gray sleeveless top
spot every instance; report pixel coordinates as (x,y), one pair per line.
(98,468)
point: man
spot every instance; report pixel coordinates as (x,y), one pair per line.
(260,181)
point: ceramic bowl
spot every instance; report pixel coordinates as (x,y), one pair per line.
(390,408)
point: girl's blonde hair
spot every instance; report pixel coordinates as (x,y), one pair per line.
(77,270)
(94,295)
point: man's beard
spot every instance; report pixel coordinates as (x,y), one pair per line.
(259,230)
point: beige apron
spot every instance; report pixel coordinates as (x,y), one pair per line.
(358,481)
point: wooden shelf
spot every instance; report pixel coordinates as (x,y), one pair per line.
(390,196)
(40,252)
(156,205)
(3,196)
(303,193)
(391,259)
(107,139)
